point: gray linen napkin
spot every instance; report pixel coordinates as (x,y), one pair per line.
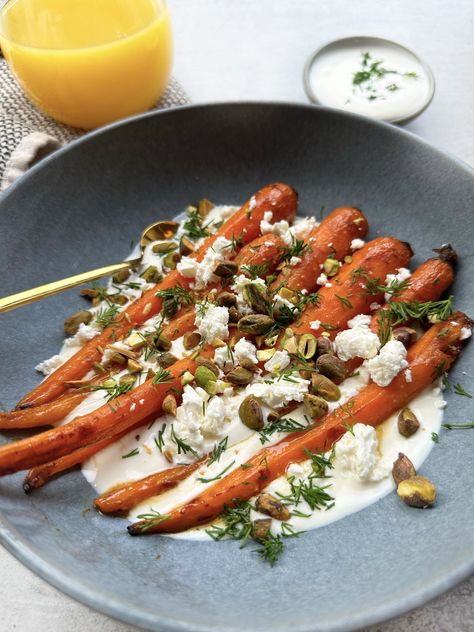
(27,135)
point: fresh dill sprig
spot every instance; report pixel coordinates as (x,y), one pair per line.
(375,286)
(283,424)
(217,451)
(133,452)
(113,390)
(218,476)
(320,463)
(344,300)
(183,447)
(175,297)
(149,520)
(371,73)
(312,298)
(237,523)
(255,270)
(297,248)
(415,310)
(459,426)
(193,226)
(106,315)
(162,376)
(315,496)
(271,548)
(159,439)
(459,390)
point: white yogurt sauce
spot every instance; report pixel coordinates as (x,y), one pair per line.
(393,96)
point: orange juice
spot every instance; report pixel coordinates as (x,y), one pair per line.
(88,62)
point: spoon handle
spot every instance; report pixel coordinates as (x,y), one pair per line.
(35,294)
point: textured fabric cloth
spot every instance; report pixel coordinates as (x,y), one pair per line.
(19,118)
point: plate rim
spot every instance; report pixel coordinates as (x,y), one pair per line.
(101,601)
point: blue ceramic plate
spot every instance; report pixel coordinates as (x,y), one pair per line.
(81,208)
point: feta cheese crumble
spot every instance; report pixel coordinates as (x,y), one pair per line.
(278,393)
(48,366)
(245,350)
(465,333)
(203,271)
(279,361)
(356,244)
(388,363)
(357,455)
(211,321)
(358,341)
(83,335)
(402,275)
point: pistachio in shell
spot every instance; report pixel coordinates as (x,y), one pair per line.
(402,469)
(204,377)
(261,529)
(257,297)
(324,387)
(191,339)
(151,275)
(408,422)
(332,367)
(225,269)
(417,491)
(212,366)
(133,366)
(315,406)
(160,341)
(324,345)
(171,259)
(268,504)
(256,324)
(239,376)
(250,413)
(307,344)
(405,335)
(127,380)
(74,321)
(121,276)
(234,315)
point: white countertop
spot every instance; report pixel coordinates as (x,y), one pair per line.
(255,50)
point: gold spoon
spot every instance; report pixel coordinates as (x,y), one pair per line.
(157,231)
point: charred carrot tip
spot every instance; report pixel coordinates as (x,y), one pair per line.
(447,253)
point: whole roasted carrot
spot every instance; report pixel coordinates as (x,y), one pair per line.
(349,294)
(333,238)
(431,355)
(244,226)
(122,413)
(129,495)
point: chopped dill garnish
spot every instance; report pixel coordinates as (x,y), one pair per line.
(255,270)
(368,79)
(183,447)
(217,451)
(106,315)
(271,549)
(133,452)
(162,376)
(113,390)
(459,390)
(193,226)
(159,440)
(297,248)
(149,520)
(435,437)
(315,496)
(284,424)
(320,463)
(218,476)
(345,301)
(175,297)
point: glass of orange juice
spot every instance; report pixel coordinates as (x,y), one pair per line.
(88,62)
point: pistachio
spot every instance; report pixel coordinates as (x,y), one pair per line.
(98,367)
(239,376)
(110,383)
(170,307)
(289,295)
(164,230)
(289,341)
(331,266)
(271,341)
(121,276)
(136,341)
(261,529)
(315,406)
(250,413)
(166,359)
(417,491)
(256,324)
(133,366)
(265,354)
(402,469)
(234,315)
(186,246)
(405,335)
(170,260)
(307,346)
(127,380)
(227,299)
(257,297)
(268,504)
(191,339)
(332,367)
(248,364)
(202,361)
(73,322)
(119,299)
(160,341)
(225,269)
(150,374)
(322,386)
(164,247)
(116,358)
(348,259)
(204,376)
(151,275)
(273,416)
(170,405)
(204,207)
(122,351)
(187,378)
(90,292)
(324,345)
(408,422)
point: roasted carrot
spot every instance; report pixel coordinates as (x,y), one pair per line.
(430,356)
(348,294)
(333,238)
(122,413)
(127,496)
(244,226)
(264,252)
